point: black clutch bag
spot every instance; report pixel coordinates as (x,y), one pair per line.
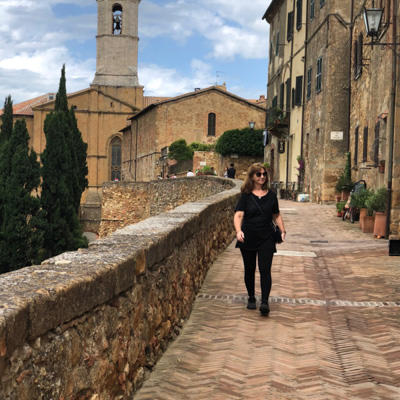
(276,233)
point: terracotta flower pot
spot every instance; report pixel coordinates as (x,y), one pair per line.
(368,226)
(380,225)
(363,213)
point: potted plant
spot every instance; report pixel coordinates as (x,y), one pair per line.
(358,200)
(345,184)
(369,219)
(340,207)
(378,203)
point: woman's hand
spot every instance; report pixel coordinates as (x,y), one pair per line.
(283,235)
(240,236)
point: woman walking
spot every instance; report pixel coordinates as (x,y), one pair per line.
(256,210)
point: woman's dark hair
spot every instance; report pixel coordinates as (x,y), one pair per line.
(248,184)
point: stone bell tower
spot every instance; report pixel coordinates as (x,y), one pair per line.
(117,43)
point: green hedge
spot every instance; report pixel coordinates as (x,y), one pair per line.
(244,142)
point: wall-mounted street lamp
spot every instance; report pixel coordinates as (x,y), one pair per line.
(372,20)
(252,124)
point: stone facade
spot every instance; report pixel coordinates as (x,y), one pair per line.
(90,324)
(370,116)
(326,111)
(126,203)
(183,117)
(117,50)
(285,85)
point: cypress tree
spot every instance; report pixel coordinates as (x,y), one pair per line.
(7,121)
(80,154)
(5,150)
(61,186)
(21,234)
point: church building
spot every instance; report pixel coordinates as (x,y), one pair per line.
(103,109)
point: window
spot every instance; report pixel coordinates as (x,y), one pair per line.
(376,143)
(290,26)
(275,102)
(312,9)
(299,15)
(309,79)
(321,3)
(288,93)
(356,139)
(358,56)
(282,96)
(211,124)
(270,52)
(318,86)
(299,90)
(307,145)
(277,45)
(365,145)
(293,97)
(116,159)
(117,19)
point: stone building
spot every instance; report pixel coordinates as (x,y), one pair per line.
(371,109)
(199,116)
(326,108)
(285,87)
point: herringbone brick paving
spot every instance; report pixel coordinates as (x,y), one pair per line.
(333,331)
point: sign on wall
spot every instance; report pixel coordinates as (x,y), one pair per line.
(337,135)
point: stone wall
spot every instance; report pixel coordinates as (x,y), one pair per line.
(126,203)
(212,159)
(89,324)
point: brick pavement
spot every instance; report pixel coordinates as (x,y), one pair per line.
(333,331)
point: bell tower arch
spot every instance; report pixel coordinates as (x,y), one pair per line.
(117,43)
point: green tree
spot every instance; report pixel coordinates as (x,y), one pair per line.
(21,234)
(245,142)
(5,152)
(62,184)
(180,151)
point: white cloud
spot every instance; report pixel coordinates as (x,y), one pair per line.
(160,81)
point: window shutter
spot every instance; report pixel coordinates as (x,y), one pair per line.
(376,144)
(288,93)
(293,97)
(299,90)
(290,26)
(356,139)
(365,144)
(299,15)
(309,78)
(277,45)
(282,96)
(312,9)
(275,102)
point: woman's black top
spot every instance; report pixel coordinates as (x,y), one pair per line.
(257,220)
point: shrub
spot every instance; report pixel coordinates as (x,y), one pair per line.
(245,142)
(359,198)
(196,146)
(345,183)
(180,151)
(207,170)
(378,201)
(340,206)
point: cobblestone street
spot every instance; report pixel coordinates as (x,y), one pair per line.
(333,331)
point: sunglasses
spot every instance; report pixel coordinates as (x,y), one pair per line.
(258,174)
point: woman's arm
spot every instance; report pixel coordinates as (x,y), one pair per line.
(279,221)
(237,221)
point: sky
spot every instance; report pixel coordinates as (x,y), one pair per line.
(184,44)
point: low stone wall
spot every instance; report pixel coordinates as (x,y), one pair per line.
(89,324)
(126,203)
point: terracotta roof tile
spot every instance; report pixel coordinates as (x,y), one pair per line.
(25,108)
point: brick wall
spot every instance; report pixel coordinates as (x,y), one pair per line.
(90,324)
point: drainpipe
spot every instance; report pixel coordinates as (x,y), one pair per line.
(350,73)
(136,147)
(392,117)
(304,92)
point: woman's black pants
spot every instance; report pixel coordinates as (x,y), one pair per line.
(264,265)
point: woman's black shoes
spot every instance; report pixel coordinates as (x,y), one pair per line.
(264,309)
(251,303)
